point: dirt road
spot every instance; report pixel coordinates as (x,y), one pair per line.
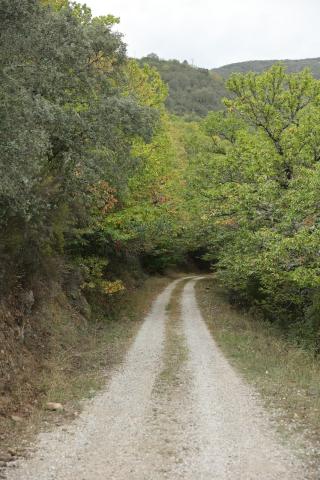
(175,409)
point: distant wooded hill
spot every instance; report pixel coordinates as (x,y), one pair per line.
(193,91)
(261,65)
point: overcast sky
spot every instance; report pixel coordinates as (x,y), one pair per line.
(212,33)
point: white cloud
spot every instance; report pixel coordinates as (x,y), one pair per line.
(216,32)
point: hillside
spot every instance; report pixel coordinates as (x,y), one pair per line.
(259,66)
(196,91)
(192,91)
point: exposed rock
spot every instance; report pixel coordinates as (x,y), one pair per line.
(6,458)
(314,392)
(16,418)
(54,407)
(75,295)
(27,301)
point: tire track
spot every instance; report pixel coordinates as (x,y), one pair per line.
(235,438)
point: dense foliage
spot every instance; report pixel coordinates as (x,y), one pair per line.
(94,170)
(88,169)
(260,206)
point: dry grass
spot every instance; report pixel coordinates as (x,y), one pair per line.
(287,377)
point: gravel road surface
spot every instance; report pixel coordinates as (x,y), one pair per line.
(175,409)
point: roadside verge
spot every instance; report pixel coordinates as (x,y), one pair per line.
(287,377)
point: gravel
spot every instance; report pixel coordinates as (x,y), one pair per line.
(206,424)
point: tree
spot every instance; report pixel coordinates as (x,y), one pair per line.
(66,123)
(274,102)
(258,172)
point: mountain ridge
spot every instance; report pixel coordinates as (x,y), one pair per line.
(260,65)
